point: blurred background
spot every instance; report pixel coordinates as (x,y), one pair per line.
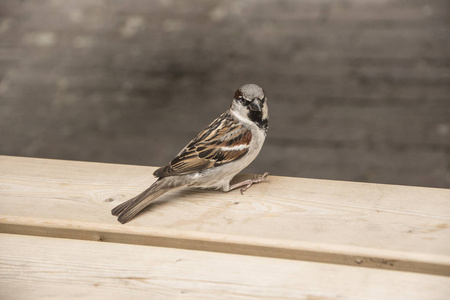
(358,89)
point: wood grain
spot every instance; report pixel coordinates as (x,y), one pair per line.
(379,226)
(46,268)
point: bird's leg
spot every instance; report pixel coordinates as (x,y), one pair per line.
(248,183)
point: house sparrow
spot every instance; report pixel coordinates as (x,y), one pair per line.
(219,152)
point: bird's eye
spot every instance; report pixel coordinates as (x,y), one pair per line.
(242,100)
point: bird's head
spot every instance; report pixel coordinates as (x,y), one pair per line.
(250,103)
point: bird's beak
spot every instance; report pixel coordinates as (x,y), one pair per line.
(255,105)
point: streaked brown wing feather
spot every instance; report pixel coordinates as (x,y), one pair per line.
(206,149)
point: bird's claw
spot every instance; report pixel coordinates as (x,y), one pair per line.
(256,179)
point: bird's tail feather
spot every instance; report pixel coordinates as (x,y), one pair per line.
(129,209)
(119,208)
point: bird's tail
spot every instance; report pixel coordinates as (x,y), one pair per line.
(129,209)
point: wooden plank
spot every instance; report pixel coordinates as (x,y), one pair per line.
(380,226)
(44,268)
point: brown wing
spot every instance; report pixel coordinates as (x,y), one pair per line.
(223,141)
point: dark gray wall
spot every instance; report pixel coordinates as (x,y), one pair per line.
(358,89)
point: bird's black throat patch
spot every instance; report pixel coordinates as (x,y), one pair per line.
(256,116)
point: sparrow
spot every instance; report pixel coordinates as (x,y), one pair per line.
(219,152)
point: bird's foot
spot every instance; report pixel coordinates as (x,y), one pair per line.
(246,184)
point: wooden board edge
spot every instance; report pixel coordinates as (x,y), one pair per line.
(214,242)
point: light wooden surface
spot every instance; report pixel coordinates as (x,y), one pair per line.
(296,228)
(49,268)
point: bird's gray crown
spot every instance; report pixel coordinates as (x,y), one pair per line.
(249,91)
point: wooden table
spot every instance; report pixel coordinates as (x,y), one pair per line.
(289,238)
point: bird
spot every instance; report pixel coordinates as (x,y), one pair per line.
(218,153)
